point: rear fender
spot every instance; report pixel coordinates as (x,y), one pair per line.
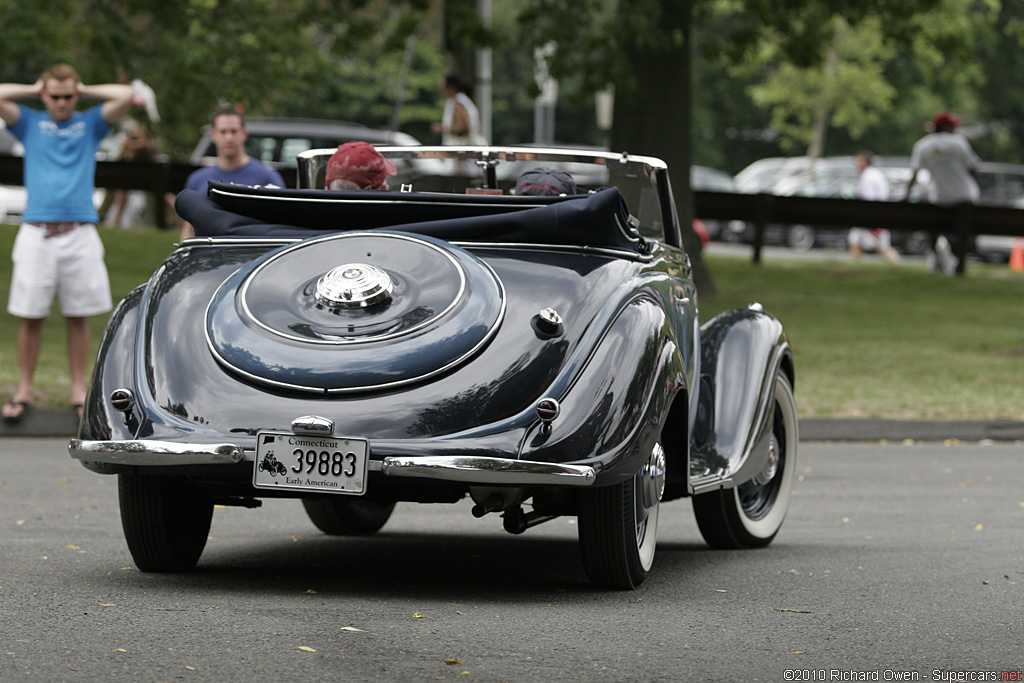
(741,351)
(114,368)
(614,409)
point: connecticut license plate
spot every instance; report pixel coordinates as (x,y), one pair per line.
(326,464)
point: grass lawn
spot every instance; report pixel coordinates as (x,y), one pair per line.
(899,342)
(871,340)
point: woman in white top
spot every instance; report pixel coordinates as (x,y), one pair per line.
(460,122)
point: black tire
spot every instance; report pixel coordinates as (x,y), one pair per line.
(751,514)
(347,516)
(918,243)
(618,531)
(800,238)
(166,522)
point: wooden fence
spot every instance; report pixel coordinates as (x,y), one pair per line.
(963,221)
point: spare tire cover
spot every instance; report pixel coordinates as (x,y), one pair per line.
(354,312)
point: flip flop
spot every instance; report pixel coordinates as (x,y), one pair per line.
(26,406)
(79,408)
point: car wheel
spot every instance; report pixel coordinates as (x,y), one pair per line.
(749,515)
(917,243)
(347,516)
(166,522)
(800,238)
(618,526)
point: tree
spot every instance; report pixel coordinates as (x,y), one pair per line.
(338,59)
(866,74)
(644,48)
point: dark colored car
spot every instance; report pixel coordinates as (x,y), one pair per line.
(353,349)
(278,141)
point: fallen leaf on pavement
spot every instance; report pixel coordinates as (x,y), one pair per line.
(306,649)
(454,661)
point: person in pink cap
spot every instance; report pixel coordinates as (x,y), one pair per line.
(950,161)
(358,166)
(952,166)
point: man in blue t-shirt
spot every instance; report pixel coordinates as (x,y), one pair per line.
(228,133)
(57,250)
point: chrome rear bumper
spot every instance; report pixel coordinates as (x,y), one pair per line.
(157,453)
(479,470)
(466,469)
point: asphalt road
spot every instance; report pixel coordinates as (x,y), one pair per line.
(903,562)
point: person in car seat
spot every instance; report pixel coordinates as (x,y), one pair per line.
(358,166)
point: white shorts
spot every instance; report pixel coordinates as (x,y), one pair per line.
(69,265)
(867,238)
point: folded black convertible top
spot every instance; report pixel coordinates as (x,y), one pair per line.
(599,220)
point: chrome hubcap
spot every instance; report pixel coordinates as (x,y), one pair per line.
(771,466)
(354,285)
(654,477)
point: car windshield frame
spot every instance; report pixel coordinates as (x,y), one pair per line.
(642,181)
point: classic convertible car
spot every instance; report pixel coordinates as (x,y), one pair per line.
(540,354)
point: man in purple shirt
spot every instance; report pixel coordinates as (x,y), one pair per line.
(57,250)
(228,133)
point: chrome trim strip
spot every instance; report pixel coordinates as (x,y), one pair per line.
(370,200)
(559,248)
(503,153)
(469,246)
(484,470)
(150,452)
(223,240)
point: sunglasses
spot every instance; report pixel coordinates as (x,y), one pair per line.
(62,97)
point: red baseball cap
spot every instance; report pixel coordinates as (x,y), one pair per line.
(944,118)
(362,164)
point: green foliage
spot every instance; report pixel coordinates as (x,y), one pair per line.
(920,57)
(849,85)
(317,58)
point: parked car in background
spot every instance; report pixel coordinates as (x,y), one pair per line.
(278,141)
(1001,185)
(13,199)
(763,174)
(10,145)
(703,178)
(834,177)
(542,356)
